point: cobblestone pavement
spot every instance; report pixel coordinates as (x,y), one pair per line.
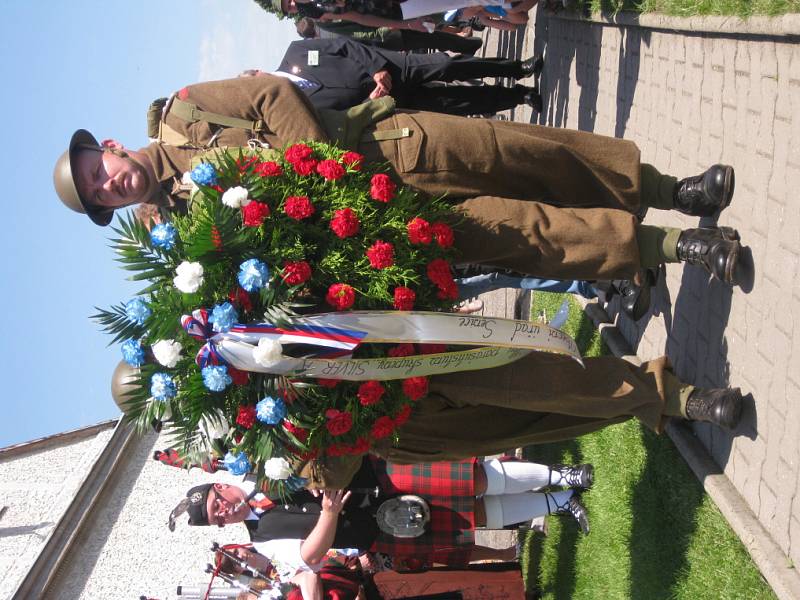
(690,100)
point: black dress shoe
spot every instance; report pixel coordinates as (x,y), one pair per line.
(720,406)
(714,248)
(704,195)
(572,507)
(532,66)
(579,477)
(532,98)
(634,299)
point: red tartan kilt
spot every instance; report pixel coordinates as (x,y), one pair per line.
(449,488)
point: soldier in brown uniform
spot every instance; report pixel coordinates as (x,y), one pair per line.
(550,202)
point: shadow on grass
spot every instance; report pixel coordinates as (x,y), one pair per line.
(663,507)
(560,583)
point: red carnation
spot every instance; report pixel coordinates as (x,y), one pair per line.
(298,207)
(401,350)
(381,255)
(340,296)
(419,231)
(298,432)
(401,417)
(295,273)
(353,160)
(238,377)
(370,393)
(404,298)
(297,152)
(245,163)
(381,188)
(246,416)
(240,298)
(330,170)
(448,291)
(328,383)
(360,447)
(415,387)
(255,213)
(439,272)
(345,223)
(268,169)
(382,427)
(443,234)
(432,348)
(305,167)
(339,422)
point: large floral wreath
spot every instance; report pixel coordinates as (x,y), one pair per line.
(313,229)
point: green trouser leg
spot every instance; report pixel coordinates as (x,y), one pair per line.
(657,245)
(657,189)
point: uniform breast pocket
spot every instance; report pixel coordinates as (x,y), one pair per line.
(447,143)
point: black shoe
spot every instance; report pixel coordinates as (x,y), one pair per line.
(532,66)
(579,477)
(532,98)
(704,195)
(714,248)
(635,299)
(572,507)
(720,406)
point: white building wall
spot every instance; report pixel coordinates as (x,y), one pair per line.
(36,487)
(128,551)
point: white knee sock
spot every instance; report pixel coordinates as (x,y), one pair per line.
(514,476)
(510,509)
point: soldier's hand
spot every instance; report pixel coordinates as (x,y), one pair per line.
(333,500)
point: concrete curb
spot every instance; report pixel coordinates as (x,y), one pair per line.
(781,26)
(766,554)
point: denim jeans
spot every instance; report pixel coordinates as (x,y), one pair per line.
(469,287)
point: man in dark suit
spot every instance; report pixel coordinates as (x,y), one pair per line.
(340,73)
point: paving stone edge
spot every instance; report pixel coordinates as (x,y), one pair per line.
(774,565)
(787,25)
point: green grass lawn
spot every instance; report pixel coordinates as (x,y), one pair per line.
(688,8)
(655,533)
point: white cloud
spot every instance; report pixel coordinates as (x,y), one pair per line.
(239,35)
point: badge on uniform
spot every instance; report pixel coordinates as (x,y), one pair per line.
(313,58)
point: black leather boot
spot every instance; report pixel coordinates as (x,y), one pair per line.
(572,507)
(580,477)
(704,195)
(634,299)
(532,66)
(720,406)
(714,248)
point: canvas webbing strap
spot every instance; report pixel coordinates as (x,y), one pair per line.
(386,134)
(189,112)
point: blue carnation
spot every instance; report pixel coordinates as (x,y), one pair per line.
(163,236)
(216,378)
(253,275)
(223,317)
(137,311)
(237,464)
(271,410)
(132,353)
(162,387)
(204,174)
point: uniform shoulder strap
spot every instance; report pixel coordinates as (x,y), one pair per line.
(191,114)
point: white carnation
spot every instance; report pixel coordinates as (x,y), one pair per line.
(268,352)
(277,468)
(189,277)
(236,197)
(167,352)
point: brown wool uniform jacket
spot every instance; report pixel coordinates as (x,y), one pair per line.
(552,202)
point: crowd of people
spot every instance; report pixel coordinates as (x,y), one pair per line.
(543,208)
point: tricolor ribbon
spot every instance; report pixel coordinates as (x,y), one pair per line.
(198,326)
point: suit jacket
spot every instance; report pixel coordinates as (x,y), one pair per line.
(344,73)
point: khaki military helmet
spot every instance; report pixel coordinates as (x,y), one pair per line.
(124,381)
(64,180)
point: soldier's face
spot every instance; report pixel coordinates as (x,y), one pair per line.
(109,180)
(222,502)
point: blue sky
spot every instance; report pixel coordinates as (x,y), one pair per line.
(97,65)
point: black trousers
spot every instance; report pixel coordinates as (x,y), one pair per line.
(402,39)
(461,100)
(418,69)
